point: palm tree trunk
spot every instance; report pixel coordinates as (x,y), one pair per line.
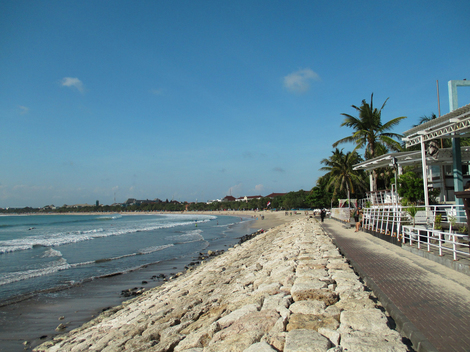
(374,180)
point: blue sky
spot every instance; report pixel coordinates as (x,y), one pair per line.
(193,100)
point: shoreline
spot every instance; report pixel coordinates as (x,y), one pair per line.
(81,302)
(284,290)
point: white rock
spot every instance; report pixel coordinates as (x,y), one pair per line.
(237,314)
(367,320)
(332,335)
(306,341)
(308,307)
(358,341)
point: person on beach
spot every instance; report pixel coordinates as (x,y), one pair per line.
(322,214)
(357,215)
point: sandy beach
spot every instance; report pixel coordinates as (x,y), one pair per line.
(288,289)
(265,219)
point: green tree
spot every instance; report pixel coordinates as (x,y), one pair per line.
(318,197)
(341,175)
(411,187)
(370,132)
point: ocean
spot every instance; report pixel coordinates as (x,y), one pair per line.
(47,255)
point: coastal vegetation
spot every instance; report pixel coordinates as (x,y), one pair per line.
(370,133)
(341,176)
(316,198)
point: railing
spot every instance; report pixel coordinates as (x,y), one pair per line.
(382,197)
(389,219)
(442,241)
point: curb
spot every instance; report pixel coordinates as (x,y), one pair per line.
(404,325)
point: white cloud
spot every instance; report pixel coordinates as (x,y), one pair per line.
(299,81)
(23,110)
(259,188)
(72,82)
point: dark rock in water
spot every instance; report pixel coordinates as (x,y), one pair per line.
(144,282)
(133,292)
(249,237)
(43,337)
(210,254)
(175,267)
(158,277)
(61,327)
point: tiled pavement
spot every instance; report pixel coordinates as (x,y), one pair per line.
(429,302)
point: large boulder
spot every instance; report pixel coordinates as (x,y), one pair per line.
(308,307)
(306,341)
(237,314)
(303,292)
(368,320)
(359,341)
(311,322)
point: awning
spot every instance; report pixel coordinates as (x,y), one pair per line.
(454,124)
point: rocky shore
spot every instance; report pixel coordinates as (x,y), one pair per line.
(287,289)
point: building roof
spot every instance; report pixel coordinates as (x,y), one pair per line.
(228,198)
(273,195)
(444,157)
(456,122)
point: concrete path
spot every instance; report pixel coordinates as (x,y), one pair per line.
(429,302)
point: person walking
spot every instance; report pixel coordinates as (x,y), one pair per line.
(322,214)
(357,218)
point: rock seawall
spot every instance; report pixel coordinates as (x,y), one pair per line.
(288,289)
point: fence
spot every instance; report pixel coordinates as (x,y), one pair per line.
(457,244)
(389,219)
(433,226)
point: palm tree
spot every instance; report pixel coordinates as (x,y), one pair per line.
(341,175)
(369,131)
(424,119)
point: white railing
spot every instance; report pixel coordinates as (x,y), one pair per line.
(457,244)
(389,219)
(382,197)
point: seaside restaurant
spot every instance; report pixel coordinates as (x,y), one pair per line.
(443,168)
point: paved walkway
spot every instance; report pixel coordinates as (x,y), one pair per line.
(429,302)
